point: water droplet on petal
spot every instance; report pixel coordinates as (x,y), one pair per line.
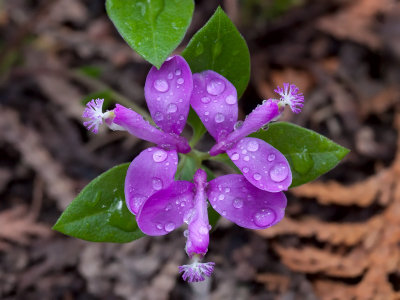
(245,170)
(206,113)
(172,108)
(237,203)
(219,118)
(238,125)
(157,184)
(158,116)
(178,72)
(230,100)
(256,176)
(244,151)
(246,158)
(227,190)
(271,157)
(180,80)
(235,156)
(170,76)
(159,226)
(160,156)
(205,100)
(169,227)
(215,87)
(161,85)
(221,197)
(252,146)
(264,218)
(279,172)
(203,230)
(224,213)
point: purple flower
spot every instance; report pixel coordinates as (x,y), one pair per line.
(232,196)
(167,92)
(214,99)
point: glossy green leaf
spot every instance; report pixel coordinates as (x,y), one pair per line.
(153,28)
(309,153)
(99,213)
(197,126)
(220,47)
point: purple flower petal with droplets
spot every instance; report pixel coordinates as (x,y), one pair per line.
(164,211)
(214,99)
(94,112)
(199,226)
(242,203)
(290,96)
(152,170)
(259,117)
(167,93)
(263,165)
(137,126)
(196,272)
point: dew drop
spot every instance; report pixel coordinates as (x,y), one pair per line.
(172,108)
(224,213)
(158,116)
(237,203)
(244,151)
(264,218)
(161,85)
(219,118)
(169,227)
(252,146)
(205,100)
(221,197)
(246,158)
(238,125)
(206,113)
(227,190)
(271,157)
(245,170)
(159,226)
(157,184)
(215,87)
(180,80)
(279,172)
(203,230)
(170,76)
(181,117)
(256,176)
(160,156)
(230,100)
(178,72)
(235,156)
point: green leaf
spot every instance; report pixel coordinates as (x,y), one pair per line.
(153,28)
(219,46)
(198,128)
(99,212)
(309,153)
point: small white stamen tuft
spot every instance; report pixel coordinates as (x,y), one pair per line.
(290,96)
(196,271)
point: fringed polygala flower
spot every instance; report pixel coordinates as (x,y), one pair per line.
(167,93)
(180,202)
(214,99)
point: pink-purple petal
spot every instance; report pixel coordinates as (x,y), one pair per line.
(165,210)
(239,201)
(263,165)
(152,170)
(167,93)
(214,99)
(137,126)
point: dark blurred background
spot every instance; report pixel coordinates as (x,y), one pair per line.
(340,238)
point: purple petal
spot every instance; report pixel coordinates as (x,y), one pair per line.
(137,126)
(198,230)
(167,93)
(214,99)
(263,165)
(259,117)
(165,210)
(245,205)
(152,170)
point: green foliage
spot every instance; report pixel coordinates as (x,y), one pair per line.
(309,153)
(153,28)
(99,212)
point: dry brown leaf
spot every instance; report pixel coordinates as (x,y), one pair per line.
(16,225)
(274,282)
